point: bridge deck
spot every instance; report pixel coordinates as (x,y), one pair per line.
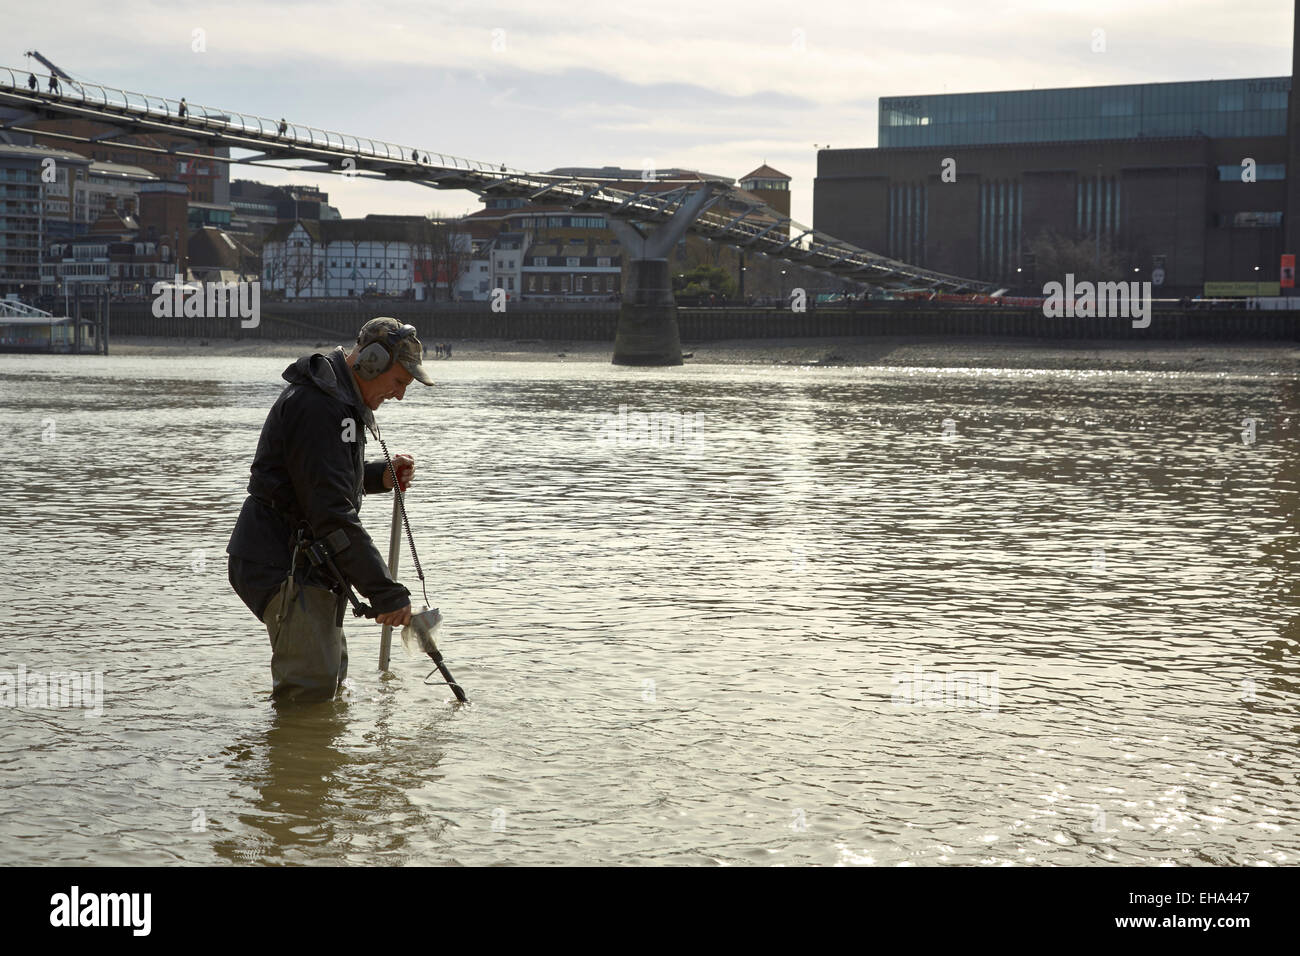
(277,142)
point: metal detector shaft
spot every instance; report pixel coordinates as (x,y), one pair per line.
(394,553)
(451,681)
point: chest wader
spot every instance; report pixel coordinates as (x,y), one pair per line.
(309,652)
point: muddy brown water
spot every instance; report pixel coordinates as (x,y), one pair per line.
(793,615)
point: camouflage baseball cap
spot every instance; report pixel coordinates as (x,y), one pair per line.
(401,341)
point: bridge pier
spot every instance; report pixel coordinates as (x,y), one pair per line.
(647,324)
(647,320)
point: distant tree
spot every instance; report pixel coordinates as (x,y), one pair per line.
(705,280)
(1055,255)
(271,269)
(300,266)
(438,249)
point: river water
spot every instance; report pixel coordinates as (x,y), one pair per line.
(857,615)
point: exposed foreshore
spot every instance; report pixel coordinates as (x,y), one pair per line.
(1259,357)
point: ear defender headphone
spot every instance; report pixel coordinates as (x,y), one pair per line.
(377,357)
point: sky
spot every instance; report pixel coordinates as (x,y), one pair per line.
(717,86)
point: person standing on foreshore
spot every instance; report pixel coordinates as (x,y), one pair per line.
(308,478)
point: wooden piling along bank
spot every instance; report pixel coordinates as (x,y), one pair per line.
(337,324)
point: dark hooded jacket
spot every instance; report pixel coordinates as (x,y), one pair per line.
(310,467)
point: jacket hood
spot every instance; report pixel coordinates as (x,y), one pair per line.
(329,373)
(321,371)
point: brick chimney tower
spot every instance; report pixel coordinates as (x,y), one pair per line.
(1291,218)
(164,218)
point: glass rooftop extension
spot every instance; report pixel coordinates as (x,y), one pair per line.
(1213,108)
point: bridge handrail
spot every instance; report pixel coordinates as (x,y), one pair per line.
(812,248)
(261,127)
(814,245)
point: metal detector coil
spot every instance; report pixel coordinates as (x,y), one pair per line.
(418,636)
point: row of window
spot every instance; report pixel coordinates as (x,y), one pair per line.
(79,252)
(1249,220)
(116,269)
(209,217)
(317,287)
(1001,215)
(1232,174)
(1197,97)
(574,262)
(908,218)
(61,250)
(1097,207)
(560,222)
(561,283)
(141,271)
(369,264)
(570,262)
(1202,108)
(1066,129)
(544,283)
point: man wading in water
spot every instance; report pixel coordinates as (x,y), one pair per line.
(308,477)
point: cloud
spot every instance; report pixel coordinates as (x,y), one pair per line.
(695,84)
